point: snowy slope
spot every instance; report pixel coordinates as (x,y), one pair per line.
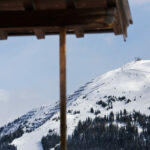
(32,120)
(127,88)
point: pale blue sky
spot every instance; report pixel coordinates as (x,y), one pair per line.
(29,68)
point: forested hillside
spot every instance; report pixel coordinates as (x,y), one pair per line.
(121,131)
(109,112)
(5,141)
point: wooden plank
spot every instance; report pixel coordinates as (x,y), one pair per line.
(127,12)
(29,31)
(91,3)
(122,19)
(71,4)
(11,5)
(63,125)
(55,31)
(50,4)
(38,4)
(29,4)
(124,16)
(53,18)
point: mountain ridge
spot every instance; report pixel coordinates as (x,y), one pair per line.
(124,88)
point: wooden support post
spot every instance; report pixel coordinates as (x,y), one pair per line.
(63,126)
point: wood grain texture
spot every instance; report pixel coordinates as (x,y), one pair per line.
(63,126)
(24,17)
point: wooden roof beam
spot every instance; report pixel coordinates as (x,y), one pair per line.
(124,16)
(54,18)
(29,5)
(39,34)
(12,5)
(79,33)
(91,3)
(70,4)
(3,35)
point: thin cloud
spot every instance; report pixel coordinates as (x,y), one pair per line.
(4,96)
(110,40)
(139,2)
(14,103)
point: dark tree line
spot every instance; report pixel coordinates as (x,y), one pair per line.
(50,141)
(6,146)
(7,139)
(116,132)
(109,100)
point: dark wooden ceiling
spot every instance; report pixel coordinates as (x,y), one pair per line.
(43,17)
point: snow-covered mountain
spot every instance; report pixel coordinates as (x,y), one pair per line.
(127,88)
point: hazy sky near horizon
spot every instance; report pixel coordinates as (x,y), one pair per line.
(29,68)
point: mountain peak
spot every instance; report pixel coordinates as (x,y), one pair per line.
(124,88)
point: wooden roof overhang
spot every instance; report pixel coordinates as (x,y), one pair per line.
(44,17)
